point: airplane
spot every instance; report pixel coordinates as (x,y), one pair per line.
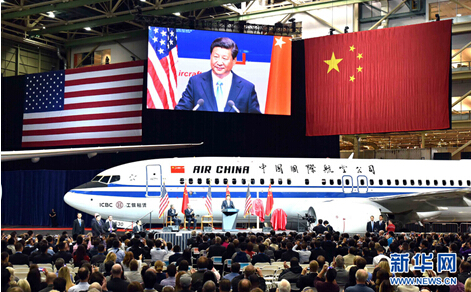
(346,192)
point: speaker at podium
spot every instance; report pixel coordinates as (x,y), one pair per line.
(229,219)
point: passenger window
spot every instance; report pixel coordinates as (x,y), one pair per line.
(372,182)
(225,181)
(435,182)
(105,179)
(419,182)
(388,182)
(412,182)
(252,181)
(182,181)
(190,181)
(452,182)
(331,182)
(200,181)
(97,178)
(339,182)
(306,181)
(234,181)
(460,182)
(380,182)
(323,182)
(396,181)
(289,181)
(244,181)
(427,182)
(272,181)
(362,182)
(208,181)
(262,181)
(444,182)
(115,178)
(280,181)
(404,182)
(347,182)
(216,181)
(468,182)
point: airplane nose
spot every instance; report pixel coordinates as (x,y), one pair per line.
(68,199)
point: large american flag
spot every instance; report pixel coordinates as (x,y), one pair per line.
(162,68)
(248,202)
(91,105)
(164,201)
(208,202)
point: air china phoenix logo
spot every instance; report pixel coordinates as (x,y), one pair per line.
(177,169)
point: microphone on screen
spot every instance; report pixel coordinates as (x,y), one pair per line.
(232,105)
(198,104)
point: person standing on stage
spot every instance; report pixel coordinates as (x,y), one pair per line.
(78,227)
(110,225)
(97,225)
(227,203)
(138,228)
(53,216)
(190,216)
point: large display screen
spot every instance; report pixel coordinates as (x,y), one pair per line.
(198,70)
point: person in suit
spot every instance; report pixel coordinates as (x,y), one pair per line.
(227,203)
(138,228)
(220,85)
(216,250)
(110,225)
(308,275)
(63,252)
(261,257)
(370,226)
(19,258)
(289,254)
(97,225)
(116,283)
(172,213)
(361,279)
(78,227)
(190,217)
(381,225)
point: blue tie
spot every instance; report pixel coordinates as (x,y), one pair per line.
(220,96)
(80,222)
(372,225)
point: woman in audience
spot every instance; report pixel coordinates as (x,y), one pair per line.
(467,285)
(133,274)
(178,287)
(81,255)
(128,257)
(64,273)
(34,279)
(385,266)
(381,275)
(23,284)
(183,267)
(249,250)
(110,257)
(135,287)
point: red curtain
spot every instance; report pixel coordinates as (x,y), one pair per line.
(385,80)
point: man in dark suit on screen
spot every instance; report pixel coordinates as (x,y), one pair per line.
(78,226)
(371,226)
(220,90)
(227,203)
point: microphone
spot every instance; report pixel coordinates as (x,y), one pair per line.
(199,103)
(232,105)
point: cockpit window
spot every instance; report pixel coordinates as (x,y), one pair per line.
(115,178)
(97,178)
(105,179)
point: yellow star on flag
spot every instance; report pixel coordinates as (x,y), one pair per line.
(359,69)
(360,56)
(333,63)
(352,78)
(352,48)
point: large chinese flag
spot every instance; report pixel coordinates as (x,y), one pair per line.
(185,200)
(270,202)
(386,80)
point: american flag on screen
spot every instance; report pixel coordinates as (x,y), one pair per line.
(248,202)
(161,68)
(91,105)
(208,202)
(163,201)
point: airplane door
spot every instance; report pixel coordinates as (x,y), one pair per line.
(153,180)
(362,184)
(347,184)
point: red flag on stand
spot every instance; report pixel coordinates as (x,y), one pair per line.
(279,81)
(384,80)
(185,200)
(270,202)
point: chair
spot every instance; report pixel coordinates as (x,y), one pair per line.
(49,267)
(21,274)
(206,219)
(226,266)
(269,272)
(243,265)
(261,265)
(217,260)
(278,264)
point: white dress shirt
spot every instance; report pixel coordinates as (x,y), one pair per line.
(226,88)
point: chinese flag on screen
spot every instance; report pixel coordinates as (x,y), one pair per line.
(279,81)
(386,80)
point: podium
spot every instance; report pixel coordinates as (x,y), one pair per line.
(229,219)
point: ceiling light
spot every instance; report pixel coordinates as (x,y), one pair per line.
(87,28)
(177,13)
(51,14)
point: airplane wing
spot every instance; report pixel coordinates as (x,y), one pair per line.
(90,151)
(425,202)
